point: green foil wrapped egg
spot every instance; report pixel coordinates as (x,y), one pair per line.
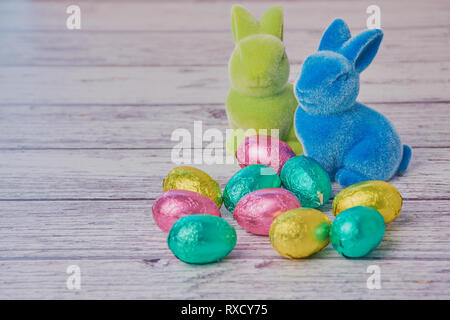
(307,180)
(357,231)
(193,179)
(300,232)
(246,180)
(380,195)
(201,239)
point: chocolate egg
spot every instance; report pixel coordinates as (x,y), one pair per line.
(175,204)
(246,180)
(380,195)
(266,150)
(256,211)
(307,180)
(357,231)
(193,179)
(201,239)
(299,233)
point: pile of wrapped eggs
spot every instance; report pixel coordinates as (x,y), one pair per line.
(275,194)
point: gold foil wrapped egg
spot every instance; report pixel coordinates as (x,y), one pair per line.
(380,195)
(193,179)
(300,232)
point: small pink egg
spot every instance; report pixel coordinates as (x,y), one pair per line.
(256,211)
(265,150)
(174,204)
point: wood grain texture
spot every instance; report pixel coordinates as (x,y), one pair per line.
(122,254)
(150,127)
(393,82)
(85,140)
(138,174)
(176,16)
(229,279)
(122,229)
(97,48)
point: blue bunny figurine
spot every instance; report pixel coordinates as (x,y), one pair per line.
(352,142)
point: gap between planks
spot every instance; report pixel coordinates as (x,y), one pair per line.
(134,128)
(154,198)
(126,229)
(139,148)
(112,174)
(190,104)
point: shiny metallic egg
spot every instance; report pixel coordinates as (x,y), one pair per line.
(380,195)
(267,150)
(193,179)
(299,233)
(256,211)
(201,239)
(175,204)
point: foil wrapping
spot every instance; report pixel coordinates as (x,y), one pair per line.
(175,204)
(201,239)
(267,150)
(357,231)
(246,180)
(380,195)
(305,178)
(256,211)
(193,179)
(299,233)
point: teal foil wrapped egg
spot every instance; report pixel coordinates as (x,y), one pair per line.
(307,180)
(201,239)
(246,180)
(357,231)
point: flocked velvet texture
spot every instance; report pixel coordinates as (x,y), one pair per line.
(352,142)
(260,97)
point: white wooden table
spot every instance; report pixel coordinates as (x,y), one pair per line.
(85,123)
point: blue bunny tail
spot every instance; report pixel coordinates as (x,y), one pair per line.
(405,160)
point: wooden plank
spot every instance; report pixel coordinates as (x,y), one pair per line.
(145,126)
(138,174)
(122,254)
(171,16)
(103,230)
(41,48)
(120,84)
(387,82)
(244,279)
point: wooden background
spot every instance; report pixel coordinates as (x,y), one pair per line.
(86,118)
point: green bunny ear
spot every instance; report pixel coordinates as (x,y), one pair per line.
(272,22)
(243,23)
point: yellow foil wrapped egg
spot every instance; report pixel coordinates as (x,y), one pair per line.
(380,195)
(193,179)
(300,232)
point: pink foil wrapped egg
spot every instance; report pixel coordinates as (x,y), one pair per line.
(256,211)
(174,204)
(265,150)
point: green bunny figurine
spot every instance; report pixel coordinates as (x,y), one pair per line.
(260,96)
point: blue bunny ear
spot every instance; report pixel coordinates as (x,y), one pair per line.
(363,48)
(335,36)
